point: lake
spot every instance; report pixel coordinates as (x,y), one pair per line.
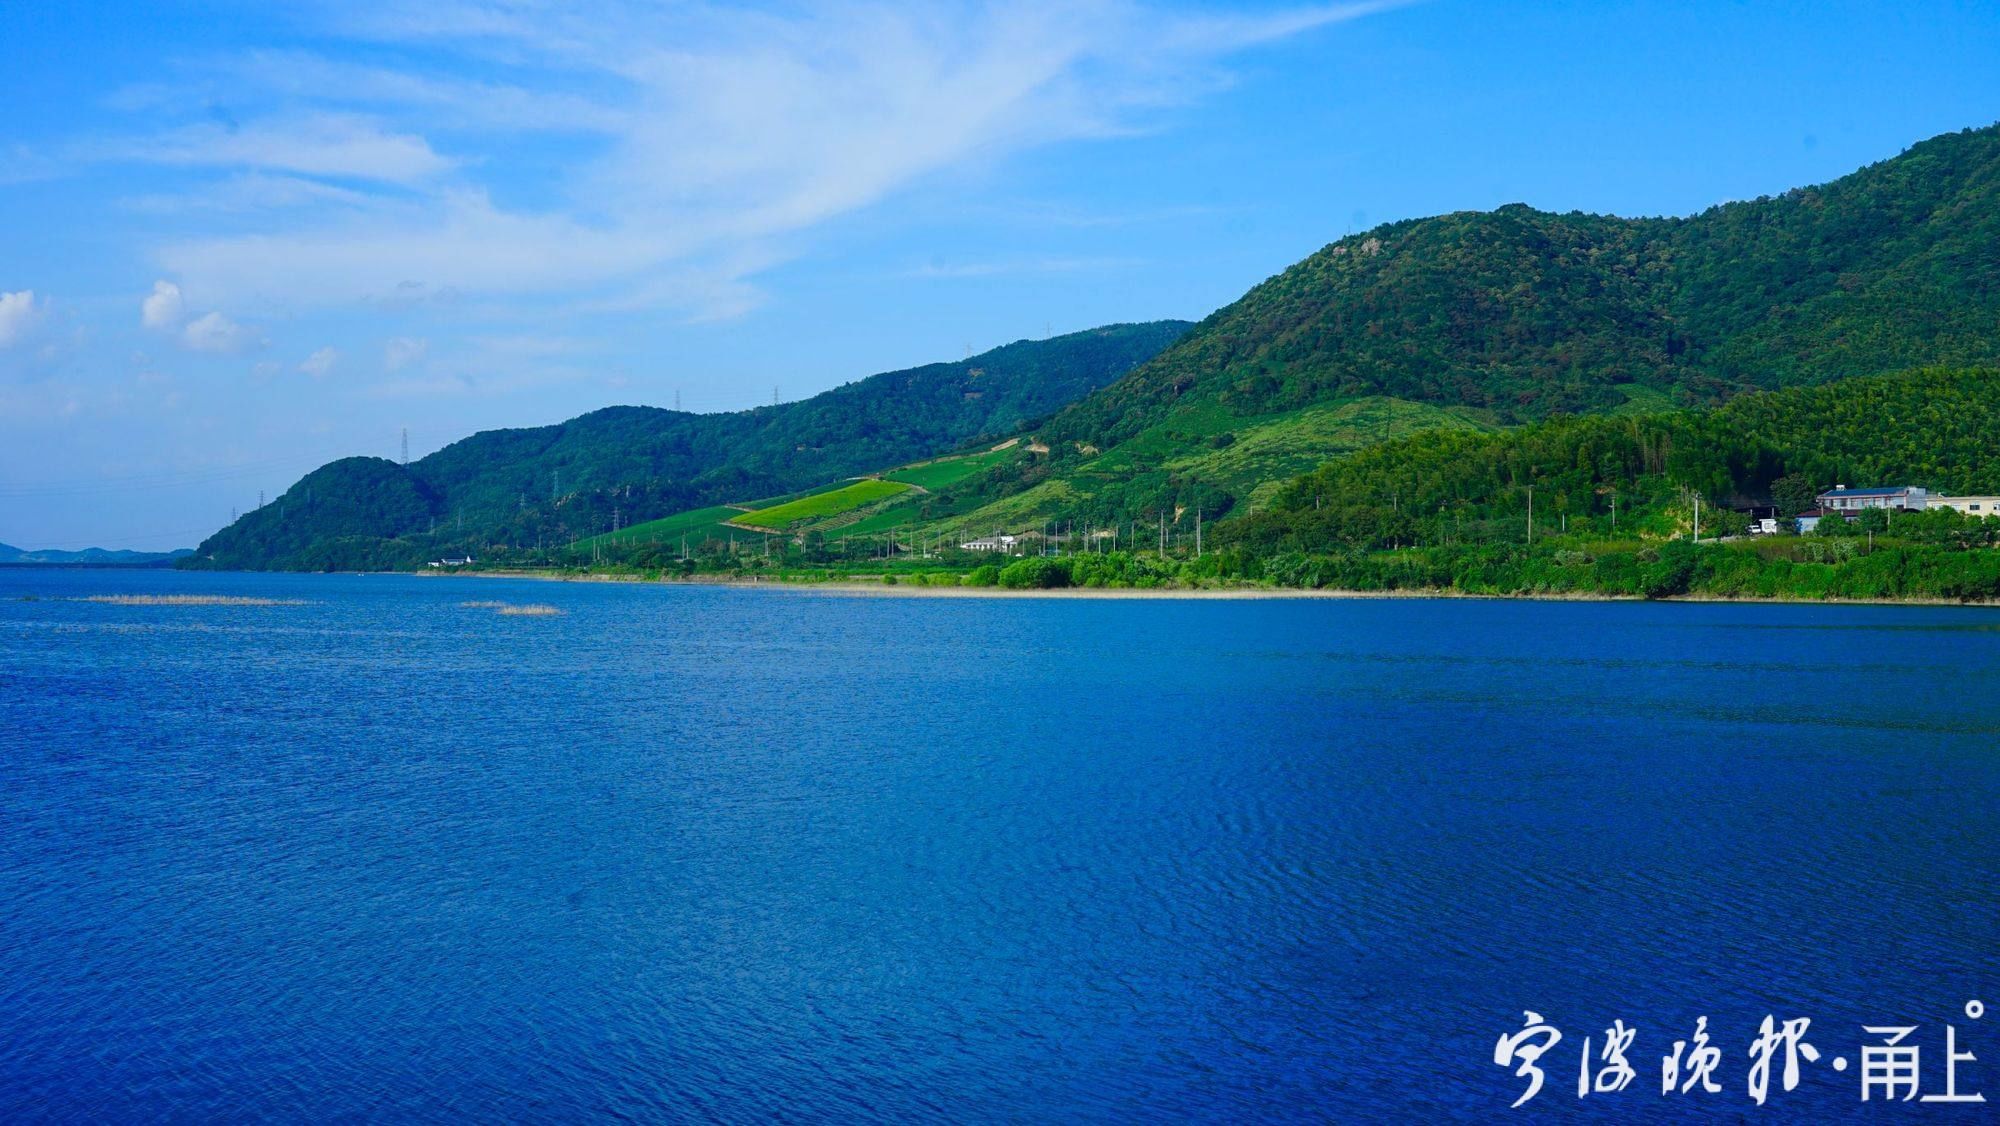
(697,853)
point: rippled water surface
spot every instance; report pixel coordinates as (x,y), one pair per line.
(737,854)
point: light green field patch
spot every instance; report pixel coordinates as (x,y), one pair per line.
(820,506)
(1258,456)
(1024,509)
(1266,453)
(943,472)
(1641,399)
(785,498)
(697,523)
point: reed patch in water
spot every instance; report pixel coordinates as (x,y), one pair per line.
(187,600)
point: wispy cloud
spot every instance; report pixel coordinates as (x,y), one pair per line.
(325,144)
(402,351)
(713,137)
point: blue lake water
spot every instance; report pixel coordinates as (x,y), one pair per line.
(723,854)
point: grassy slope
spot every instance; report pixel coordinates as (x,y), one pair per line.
(946,471)
(821,506)
(698,524)
(1266,451)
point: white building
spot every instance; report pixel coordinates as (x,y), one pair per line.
(1849,502)
(1002,544)
(1979,507)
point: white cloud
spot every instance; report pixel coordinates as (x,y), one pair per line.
(213,332)
(314,144)
(713,136)
(165,309)
(320,363)
(18,314)
(162,308)
(402,351)
(249,192)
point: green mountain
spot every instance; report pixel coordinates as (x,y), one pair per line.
(1479,319)
(517,489)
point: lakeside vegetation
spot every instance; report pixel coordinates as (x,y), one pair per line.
(1590,505)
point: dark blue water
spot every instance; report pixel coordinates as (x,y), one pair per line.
(732,855)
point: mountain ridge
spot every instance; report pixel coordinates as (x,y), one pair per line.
(533,486)
(1522,314)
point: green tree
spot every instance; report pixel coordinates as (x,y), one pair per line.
(1794,493)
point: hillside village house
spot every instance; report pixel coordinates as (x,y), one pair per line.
(1002,544)
(1849,502)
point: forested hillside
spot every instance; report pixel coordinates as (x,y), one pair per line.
(623,465)
(1937,428)
(1518,314)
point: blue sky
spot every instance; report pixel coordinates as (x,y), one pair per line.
(238,240)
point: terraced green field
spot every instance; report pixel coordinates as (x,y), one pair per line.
(821,506)
(1250,457)
(946,471)
(695,524)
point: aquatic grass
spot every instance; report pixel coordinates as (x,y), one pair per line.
(512,609)
(187,600)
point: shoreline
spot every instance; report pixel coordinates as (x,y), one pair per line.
(877,589)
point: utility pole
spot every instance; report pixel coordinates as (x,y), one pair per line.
(1197,533)
(677,398)
(1697,518)
(406,445)
(1531,515)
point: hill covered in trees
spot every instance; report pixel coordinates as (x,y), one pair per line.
(621,465)
(1514,315)
(1640,475)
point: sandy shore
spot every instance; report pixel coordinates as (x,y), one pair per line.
(865,588)
(869,588)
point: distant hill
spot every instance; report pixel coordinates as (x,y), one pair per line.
(1512,315)
(624,465)
(93,555)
